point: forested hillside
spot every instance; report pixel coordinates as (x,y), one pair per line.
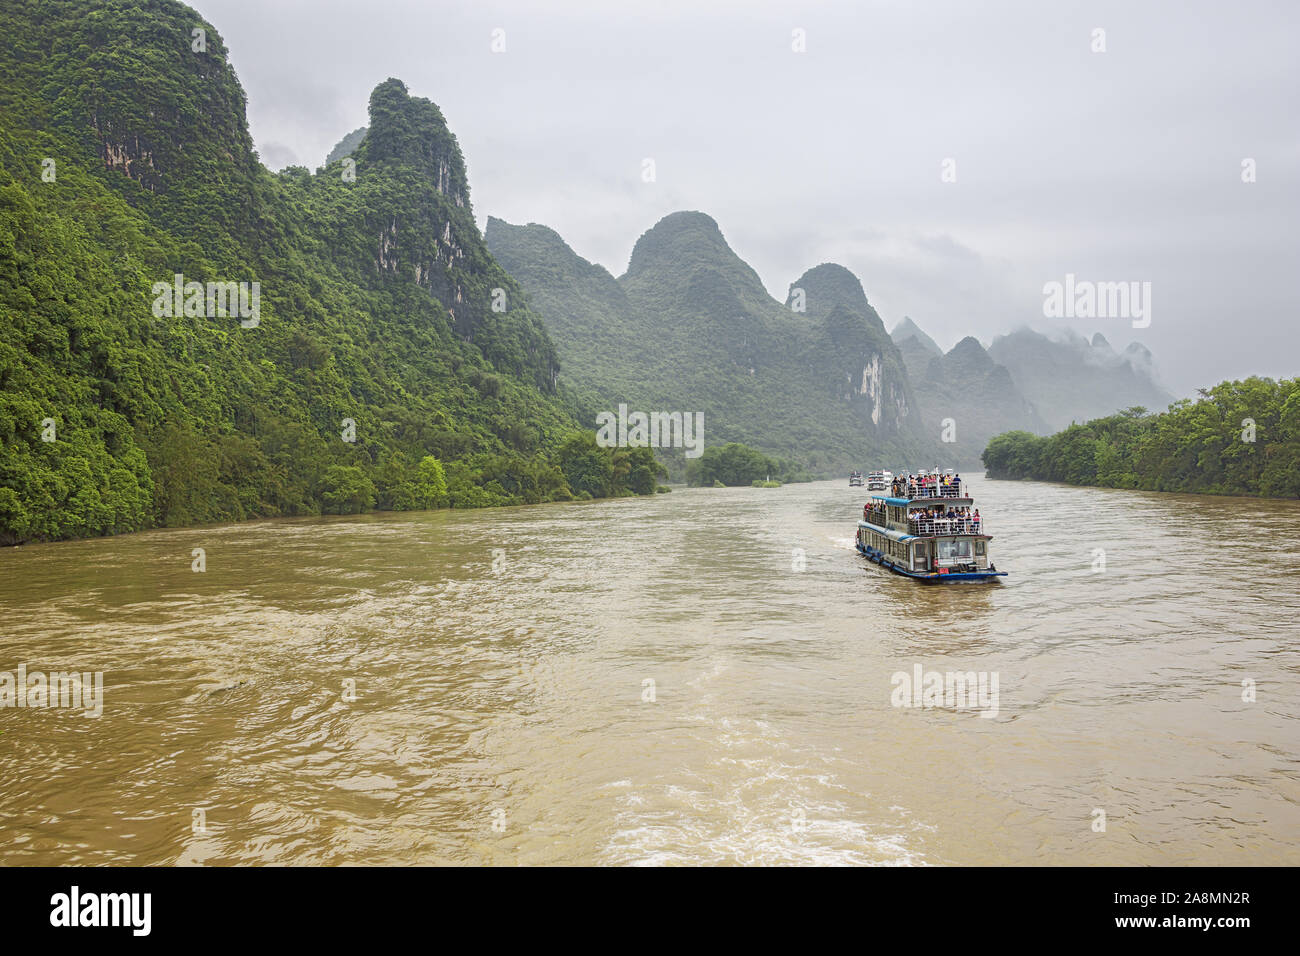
(1239,438)
(969,396)
(376,371)
(818,378)
(690,327)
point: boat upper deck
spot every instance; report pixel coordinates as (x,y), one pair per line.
(915,487)
(946,513)
(904,502)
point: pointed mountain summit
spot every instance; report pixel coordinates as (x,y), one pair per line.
(692,328)
(967,391)
(409,198)
(829,285)
(968,356)
(367,296)
(690,237)
(410,132)
(907,329)
(1139,354)
(916,348)
(858,353)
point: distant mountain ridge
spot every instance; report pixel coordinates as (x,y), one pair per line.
(972,398)
(347,145)
(1024,381)
(689,323)
(916,348)
(1075,379)
(689,326)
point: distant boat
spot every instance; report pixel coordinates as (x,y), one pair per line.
(855,480)
(928,530)
(879,480)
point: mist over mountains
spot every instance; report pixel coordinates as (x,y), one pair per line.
(689,324)
(690,327)
(390,329)
(686,290)
(1072,379)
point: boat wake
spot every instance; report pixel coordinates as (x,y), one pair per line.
(759,803)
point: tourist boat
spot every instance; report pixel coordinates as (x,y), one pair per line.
(879,480)
(855,480)
(927,529)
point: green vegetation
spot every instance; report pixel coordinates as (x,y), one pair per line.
(1239,438)
(966,391)
(596,472)
(737,464)
(346,146)
(690,328)
(378,373)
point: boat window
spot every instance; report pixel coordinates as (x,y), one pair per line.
(953,550)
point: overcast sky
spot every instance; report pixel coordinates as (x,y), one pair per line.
(1123,165)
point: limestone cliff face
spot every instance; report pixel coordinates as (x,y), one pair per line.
(863,363)
(425,242)
(371,294)
(412,196)
(690,326)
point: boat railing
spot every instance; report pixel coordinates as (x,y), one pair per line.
(951,490)
(931,527)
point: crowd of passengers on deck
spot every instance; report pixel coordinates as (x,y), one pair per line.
(938,521)
(931,521)
(927,486)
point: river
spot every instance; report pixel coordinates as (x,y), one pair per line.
(475,687)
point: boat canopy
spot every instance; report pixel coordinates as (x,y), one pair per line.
(922,502)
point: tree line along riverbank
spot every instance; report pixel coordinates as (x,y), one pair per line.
(1237,438)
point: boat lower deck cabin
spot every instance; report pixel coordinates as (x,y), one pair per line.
(937,538)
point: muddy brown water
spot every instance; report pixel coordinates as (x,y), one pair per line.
(702,677)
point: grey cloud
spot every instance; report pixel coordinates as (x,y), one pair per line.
(1122,165)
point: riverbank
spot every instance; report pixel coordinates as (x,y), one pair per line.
(1239,438)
